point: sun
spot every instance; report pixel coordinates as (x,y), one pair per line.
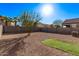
(47,9)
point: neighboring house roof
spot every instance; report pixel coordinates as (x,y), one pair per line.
(43,25)
(7,22)
(71,21)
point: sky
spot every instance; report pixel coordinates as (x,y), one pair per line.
(48,11)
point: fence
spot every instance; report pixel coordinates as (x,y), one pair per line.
(17,29)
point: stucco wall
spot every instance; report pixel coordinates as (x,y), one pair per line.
(1,29)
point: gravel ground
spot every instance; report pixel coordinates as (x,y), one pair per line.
(32,46)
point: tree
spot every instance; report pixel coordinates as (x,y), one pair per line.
(58,23)
(29,20)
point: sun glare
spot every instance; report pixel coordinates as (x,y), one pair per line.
(47,9)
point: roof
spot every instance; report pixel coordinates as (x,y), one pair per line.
(43,25)
(71,21)
(1,17)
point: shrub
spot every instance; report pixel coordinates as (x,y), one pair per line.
(75,33)
(64,31)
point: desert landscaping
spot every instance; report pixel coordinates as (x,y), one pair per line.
(32,45)
(39,30)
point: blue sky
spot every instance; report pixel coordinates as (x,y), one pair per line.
(60,10)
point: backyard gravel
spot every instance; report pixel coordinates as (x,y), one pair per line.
(33,47)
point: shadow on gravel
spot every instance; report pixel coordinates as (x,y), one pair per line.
(13,47)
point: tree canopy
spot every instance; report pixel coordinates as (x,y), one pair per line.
(58,22)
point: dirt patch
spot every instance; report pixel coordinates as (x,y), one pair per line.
(33,46)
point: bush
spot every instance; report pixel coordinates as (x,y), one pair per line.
(65,31)
(75,33)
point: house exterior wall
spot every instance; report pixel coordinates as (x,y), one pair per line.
(74,25)
(1,30)
(10,23)
(66,25)
(77,25)
(71,25)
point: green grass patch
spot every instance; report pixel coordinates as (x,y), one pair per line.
(64,46)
